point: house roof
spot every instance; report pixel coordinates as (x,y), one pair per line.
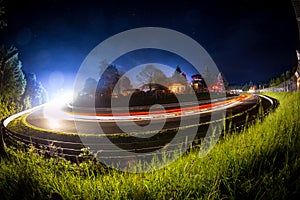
(176,84)
(154,86)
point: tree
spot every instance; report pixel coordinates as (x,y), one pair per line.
(178,77)
(288,74)
(178,69)
(152,75)
(35,94)
(86,97)
(207,76)
(222,81)
(3,60)
(123,84)
(108,80)
(272,82)
(246,87)
(12,80)
(90,87)
(278,80)
(44,94)
(12,86)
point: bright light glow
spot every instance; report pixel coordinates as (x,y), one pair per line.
(53,124)
(54,110)
(63,97)
(252,89)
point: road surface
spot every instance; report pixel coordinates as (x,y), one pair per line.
(66,128)
(57,119)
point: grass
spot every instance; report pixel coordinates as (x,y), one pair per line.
(261,162)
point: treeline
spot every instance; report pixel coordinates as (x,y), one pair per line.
(275,81)
(282,78)
(113,82)
(18,90)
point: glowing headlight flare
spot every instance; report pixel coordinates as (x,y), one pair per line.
(53,110)
(62,99)
(53,124)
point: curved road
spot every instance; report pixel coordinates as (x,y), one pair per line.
(47,122)
(55,118)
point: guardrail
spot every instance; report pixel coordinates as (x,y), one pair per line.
(76,151)
(51,147)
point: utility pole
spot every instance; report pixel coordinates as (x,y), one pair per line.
(296,4)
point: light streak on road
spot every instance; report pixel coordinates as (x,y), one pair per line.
(54,112)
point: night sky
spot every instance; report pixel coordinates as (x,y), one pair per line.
(248,39)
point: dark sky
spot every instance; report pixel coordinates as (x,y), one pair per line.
(248,39)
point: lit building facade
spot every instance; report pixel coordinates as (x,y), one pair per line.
(177,88)
(198,83)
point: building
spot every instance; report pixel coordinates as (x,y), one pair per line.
(177,88)
(128,92)
(198,83)
(220,85)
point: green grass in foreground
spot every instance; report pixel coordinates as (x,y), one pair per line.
(262,162)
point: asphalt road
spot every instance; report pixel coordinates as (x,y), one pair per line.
(58,120)
(74,130)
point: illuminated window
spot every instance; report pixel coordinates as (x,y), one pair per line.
(196,86)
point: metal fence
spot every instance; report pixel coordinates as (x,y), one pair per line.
(287,86)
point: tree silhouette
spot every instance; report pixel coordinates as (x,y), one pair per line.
(179,77)
(222,81)
(107,81)
(178,69)
(152,75)
(12,86)
(89,87)
(123,84)
(207,76)
(12,80)
(35,94)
